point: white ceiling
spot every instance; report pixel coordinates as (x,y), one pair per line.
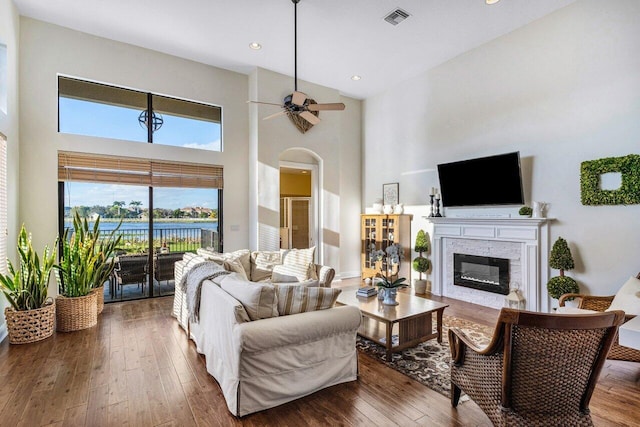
(336,38)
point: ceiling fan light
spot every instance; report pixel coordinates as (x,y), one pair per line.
(491,1)
(356,77)
(255,46)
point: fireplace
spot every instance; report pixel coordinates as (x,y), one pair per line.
(481,272)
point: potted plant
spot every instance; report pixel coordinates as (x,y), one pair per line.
(386,280)
(525,211)
(31,315)
(420,263)
(105,251)
(562,260)
(86,261)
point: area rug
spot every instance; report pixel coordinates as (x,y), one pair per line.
(428,362)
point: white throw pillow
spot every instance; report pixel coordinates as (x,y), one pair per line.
(291,272)
(262,263)
(293,299)
(297,256)
(628,298)
(235,266)
(258,299)
(242,256)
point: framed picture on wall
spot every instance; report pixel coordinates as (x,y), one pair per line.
(390,193)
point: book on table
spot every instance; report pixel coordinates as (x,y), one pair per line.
(366,291)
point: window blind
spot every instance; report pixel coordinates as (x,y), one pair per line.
(85,167)
(3,204)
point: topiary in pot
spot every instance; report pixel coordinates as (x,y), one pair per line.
(560,285)
(420,263)
(562,260)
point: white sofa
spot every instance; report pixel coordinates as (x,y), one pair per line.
(253,272)
(275,358)
(264,363)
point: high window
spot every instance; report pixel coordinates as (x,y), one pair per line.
(3,204)
(94,109)
(3,78)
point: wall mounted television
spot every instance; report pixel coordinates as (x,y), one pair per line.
(485,181)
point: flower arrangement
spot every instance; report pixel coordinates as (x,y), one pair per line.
(388,261)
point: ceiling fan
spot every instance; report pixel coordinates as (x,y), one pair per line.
(298,104)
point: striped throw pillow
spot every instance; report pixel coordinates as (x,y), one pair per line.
(291,273)
(293,299)
(297,256)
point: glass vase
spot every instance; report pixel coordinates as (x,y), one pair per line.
(390,296)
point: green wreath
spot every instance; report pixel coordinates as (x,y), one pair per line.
(629,191)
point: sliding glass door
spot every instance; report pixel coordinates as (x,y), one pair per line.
(157,226)
(184,219)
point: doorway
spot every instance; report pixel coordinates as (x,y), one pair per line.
(298,217)
(296,223)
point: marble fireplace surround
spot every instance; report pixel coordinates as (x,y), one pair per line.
(524,241)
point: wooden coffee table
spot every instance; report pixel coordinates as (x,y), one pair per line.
(411,319)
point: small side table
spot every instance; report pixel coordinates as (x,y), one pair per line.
(629,333)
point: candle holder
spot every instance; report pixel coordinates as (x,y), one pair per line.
(438,209)
(432,212)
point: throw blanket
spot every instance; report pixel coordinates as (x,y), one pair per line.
(191,284)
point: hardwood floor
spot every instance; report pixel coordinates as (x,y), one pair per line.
(137,368)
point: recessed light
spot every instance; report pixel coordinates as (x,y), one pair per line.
(355,77)
(491,1)
(304,171)
(255,46)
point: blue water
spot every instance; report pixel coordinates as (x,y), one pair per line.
(138,225)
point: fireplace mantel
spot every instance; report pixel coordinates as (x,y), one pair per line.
(531,235)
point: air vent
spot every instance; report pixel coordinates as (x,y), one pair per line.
(396,16)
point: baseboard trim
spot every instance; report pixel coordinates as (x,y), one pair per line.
(348,275)
(3,332)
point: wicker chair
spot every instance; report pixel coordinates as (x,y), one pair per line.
(131,270)
(539,369)
(600,303)
(164,265)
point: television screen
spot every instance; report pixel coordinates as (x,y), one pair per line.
(493,180)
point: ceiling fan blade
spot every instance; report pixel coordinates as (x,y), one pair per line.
(298,98)
(323,107)
(310,117)
(265,103)
(279,113)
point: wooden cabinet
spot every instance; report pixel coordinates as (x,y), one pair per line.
(380,231)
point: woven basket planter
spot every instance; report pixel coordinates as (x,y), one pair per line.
(74,314)
(28,326)
(99,298)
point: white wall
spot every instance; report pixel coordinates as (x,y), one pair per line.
(350,187)
(561,90)
(335,143)
(47,50)
(9,127)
